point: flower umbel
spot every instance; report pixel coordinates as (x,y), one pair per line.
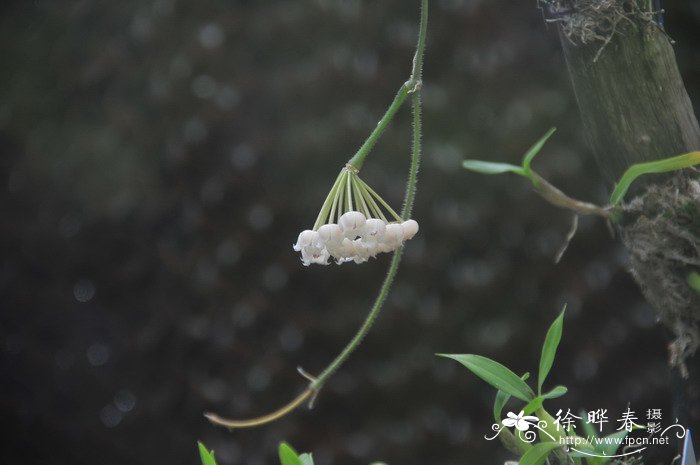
(352,225)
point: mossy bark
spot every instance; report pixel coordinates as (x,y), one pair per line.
(635,108)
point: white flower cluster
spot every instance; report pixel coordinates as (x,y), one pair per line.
(355,238)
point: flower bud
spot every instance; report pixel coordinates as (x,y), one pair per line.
(351,223)
(374,230)
(410,229)
(306,238)
(393,235)
(330,234)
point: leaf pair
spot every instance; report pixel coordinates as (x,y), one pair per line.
(487,167)
(675,163)
(509,383)
(288,456)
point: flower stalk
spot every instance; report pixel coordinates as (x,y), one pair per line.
(350,192)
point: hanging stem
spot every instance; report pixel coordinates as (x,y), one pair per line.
(413,85)
(410,86)
(270,417)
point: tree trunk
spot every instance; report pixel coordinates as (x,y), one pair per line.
(635,108)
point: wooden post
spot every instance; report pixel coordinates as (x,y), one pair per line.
(635,108)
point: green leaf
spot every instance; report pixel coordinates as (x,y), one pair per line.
(538,454)
(306,459)
(603,448)
(588,428)
(549,349)
(558,391)
(534,150)
(495,374)
(694,281)
(205,455)
(288,456)
(659,166)
(533,405)
(487,167)
(501,400)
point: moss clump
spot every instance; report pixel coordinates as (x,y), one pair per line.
(661,233)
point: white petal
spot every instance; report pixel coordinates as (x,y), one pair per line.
(393,235)
(318,255)
(351,223)
(410,229)
(305,239)
(330,234)
(365,249)
(373,230)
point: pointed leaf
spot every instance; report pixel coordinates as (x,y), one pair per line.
(558,391)
(288,456)
(487,167)
(495,374)
(549,349)
(533,405)
(538,454)
(534,150)
(609,447)
(501,399)
(588,428)
(659,166)
(205,455)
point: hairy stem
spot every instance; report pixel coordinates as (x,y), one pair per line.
(413,85)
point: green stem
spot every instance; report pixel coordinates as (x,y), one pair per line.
(411,86)
(372,204)
(359,197)
(359,158)
(381,200)
(323,214)
(414,87)
(335,206)
(349,188)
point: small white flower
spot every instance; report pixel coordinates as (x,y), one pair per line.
(364,250)
(342,252)
(374,230)
(311,254)
(330,234)
(306,238)
(393,235)
(520,421)
(351,223)
(410,229)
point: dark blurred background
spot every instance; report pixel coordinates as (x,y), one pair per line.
(158,159)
